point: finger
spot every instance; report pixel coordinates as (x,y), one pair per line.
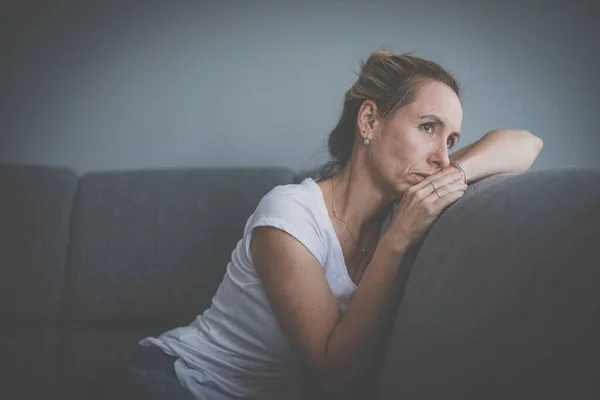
(439,183)
(436,195)
(439,174)
(455,176)
(444,201)
(458,185)
(434,178)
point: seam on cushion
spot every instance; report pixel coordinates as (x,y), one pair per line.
(65,325)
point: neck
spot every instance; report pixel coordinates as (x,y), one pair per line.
(360,201)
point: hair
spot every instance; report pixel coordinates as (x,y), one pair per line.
(392,81)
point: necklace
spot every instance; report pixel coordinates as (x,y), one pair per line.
(344,222)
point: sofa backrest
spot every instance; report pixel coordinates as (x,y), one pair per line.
(503,300)
(148,251)
(35,211)
(90,265)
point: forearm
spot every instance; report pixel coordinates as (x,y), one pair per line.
(352,342)
(498,151)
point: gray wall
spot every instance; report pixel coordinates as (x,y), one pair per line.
(121,85)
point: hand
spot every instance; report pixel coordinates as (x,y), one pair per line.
(421,205)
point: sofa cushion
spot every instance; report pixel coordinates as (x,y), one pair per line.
(29,361)
(503,299)
(150,247)
(93,354)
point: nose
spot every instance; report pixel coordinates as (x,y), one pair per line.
(439,157)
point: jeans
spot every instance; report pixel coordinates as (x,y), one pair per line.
(146,372)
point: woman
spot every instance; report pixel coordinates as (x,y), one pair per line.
(304,295)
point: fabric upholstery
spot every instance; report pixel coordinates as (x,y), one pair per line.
(499,300)
(149,250)
(29,360)
(35,211)
(502,300)
(152,246)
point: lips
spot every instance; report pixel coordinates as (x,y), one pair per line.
(423,176)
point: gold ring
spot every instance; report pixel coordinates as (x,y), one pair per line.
(435,190)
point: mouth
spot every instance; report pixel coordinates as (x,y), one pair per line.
(422,176)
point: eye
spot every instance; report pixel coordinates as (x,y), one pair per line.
(428,126)
(451,142)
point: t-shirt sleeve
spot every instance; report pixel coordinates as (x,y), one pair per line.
(294,214)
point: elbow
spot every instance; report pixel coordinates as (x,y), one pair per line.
(539,144)
(333,380)
(334,368)
(534,142)
(531,146)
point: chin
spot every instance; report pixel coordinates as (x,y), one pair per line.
(400,183)
(399,189)
(405,182)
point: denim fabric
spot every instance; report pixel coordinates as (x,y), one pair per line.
(146,372)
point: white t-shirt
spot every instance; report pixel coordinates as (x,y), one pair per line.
(236,349)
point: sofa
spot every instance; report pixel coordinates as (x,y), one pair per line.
(499,300)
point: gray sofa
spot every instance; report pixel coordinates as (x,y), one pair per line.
(500,299)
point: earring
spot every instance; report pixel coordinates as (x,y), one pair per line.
(367,141)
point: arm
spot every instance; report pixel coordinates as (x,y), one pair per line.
(501,150)
(331,343)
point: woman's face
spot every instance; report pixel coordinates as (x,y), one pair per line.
(416,140)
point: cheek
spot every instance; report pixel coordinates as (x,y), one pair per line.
(398,150)
(418,147)
(394,166)
(400,153)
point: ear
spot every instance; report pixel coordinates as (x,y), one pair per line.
(368,119)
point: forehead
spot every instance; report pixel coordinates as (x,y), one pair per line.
(436,98)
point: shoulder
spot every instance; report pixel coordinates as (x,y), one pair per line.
(295,210)
(292,201)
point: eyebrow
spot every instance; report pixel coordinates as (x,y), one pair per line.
(438,121)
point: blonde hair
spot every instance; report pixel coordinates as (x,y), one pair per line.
(391,81)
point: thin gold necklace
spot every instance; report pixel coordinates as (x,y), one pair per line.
(344,222)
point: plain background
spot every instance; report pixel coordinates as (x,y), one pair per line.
(111,85)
